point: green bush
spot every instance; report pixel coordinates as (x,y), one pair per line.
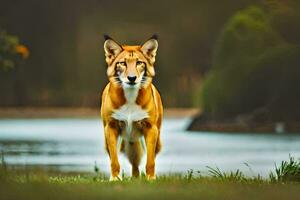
(253,67)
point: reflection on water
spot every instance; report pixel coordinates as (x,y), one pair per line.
(75,144)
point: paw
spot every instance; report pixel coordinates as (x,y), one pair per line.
(151,177)
(115,178)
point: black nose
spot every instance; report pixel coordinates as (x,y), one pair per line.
(131,78)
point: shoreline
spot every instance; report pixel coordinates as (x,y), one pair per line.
(200,123)
(193,113)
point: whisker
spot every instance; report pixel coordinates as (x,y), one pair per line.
(117,80)
(145,80)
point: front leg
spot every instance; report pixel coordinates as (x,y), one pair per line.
(151,136)
(111,137)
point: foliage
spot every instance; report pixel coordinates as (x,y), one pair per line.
(231,176)
(253,67)
(287,171)
(10,51)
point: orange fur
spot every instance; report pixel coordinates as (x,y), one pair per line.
(148,100)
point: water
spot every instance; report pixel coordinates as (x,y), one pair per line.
(76,144)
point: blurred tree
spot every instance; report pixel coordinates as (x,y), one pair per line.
(10,51)
(253,68)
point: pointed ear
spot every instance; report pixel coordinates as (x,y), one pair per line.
(149,48)
(111,48)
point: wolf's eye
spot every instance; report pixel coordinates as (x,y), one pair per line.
(139,63)
(120,67)
(122,63)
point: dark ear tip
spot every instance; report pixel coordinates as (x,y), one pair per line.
(154,36)
(106,37)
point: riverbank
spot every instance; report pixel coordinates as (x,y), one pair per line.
(232,127)
(201,122)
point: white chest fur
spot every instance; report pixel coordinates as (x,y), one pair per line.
(130,112)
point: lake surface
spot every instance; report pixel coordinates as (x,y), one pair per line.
(77,144)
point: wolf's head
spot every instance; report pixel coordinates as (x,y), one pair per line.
(130,66)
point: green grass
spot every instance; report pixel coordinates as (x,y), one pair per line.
(37,184)
(288,171)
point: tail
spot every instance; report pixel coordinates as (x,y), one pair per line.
(133,150)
